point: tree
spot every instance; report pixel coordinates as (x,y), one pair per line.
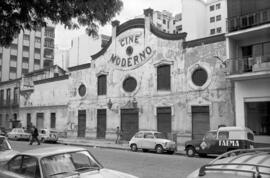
(17,15)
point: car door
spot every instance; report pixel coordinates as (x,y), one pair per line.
(148,141)
(209,144)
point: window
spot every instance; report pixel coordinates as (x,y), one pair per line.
(212,31)
(218,6)
(129,84)
(53,120)
(218,17)
(82,90)
(8,96)
(210,135)
(25,165)
(223,135)
(164,21)
(26,48)
(1,97)
(37,40)
(26,37)
(14,46)
(37,50)
(199,77)
(25,60)
(15,94)
(24,71)
(212,19)
(139,135)
(102,85)
(179,28)
(13,58)
(212,8)
(37,61)
(163,77)
(219,30)
(148,135)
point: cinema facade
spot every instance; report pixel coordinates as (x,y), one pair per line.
(144,79)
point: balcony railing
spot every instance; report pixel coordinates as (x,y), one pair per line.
(9,104)
(248,20)
(249,64)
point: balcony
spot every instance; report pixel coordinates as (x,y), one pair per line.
(251,67)
(9,104)
(248,20)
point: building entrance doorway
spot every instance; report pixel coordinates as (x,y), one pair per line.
(129,123)
(258,117)
(200,121)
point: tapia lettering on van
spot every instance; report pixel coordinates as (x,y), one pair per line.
(234,143)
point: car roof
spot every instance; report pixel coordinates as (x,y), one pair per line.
(234,128)
(47,151)
(247,159)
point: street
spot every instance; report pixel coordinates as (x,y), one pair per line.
(143,165)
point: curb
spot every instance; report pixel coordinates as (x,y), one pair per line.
(107,147)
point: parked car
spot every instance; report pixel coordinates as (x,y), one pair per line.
(220,141)
(245,163)
(152,140)
(48,135)
(3,131)
(18,134)
(6,152)
(56,162)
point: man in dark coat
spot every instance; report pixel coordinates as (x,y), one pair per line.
(34,136)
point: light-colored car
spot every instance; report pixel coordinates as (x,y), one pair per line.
(48,135)
(152,140)
(244,164)
(220,141)
(6,152)
(56,162)
(18,134)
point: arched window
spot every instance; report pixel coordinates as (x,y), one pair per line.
(164,77)
(102,85)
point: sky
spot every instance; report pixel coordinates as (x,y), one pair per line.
(131,9)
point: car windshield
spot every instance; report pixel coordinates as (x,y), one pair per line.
(57,165)
(160,135)
(210,135)
(4,145)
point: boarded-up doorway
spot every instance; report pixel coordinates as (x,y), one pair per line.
(164,120)
(40,121)
(200,121)
(81,123)
(101,123)
(129,123)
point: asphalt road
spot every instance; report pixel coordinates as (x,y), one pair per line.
(144,165)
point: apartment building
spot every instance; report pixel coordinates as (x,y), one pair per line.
(203,18)
(30,51)
(248,52)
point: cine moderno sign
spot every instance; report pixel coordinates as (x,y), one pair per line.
(131,51)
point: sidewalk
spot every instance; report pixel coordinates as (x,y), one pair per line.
(102,143)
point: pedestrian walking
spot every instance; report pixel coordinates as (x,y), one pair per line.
(34,136)
(118,135)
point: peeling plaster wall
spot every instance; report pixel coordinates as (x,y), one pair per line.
(216,94)
(46,98)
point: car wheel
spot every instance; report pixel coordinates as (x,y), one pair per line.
(144,150)
(190,151)
(133,147)
(159,149)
